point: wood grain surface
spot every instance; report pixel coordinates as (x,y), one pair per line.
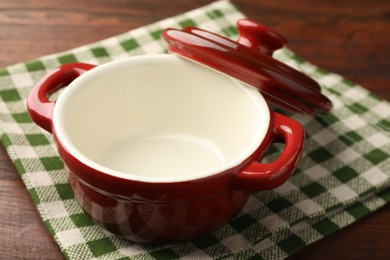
(351,38)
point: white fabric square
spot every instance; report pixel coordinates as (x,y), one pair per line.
(110,42)
(21,80)
(303,119)
(354,122)
(273,222)
(235,242)
(330,80)
(169,22)
(233,17)
(55,209)
(70,237)
(292,63)
(194,14)
(316,172)
(343,193)
(378,139)
(132,250)
(382,109)
(299,227)
(39,179)
(375,176)
(286,187)
(263,244)
(12,128)
(250,203)
(196,254)
(3,108)
(324,137)
(152,48)
(336,102)
(139,32)
(22,151)
(309,207)
(348,155)
(355,94)
(211,26)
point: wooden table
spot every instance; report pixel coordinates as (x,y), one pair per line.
(347,37)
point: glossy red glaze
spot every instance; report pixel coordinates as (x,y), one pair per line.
(249,60)
(159,212)
(258,176)
(39,106)
(259,37)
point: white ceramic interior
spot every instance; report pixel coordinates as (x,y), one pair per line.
(159,118)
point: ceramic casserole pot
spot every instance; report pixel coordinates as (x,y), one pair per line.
(160,149)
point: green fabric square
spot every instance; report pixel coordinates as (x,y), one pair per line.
(82,220)
(205,241)
(320,155)
(358,210)
(187,22)
(99,52)
(156,34)
(384,124)
(130,45)
(37,139)
(345,174)
(35,65)
(65,59)
(49,227)
(313,189)
(376,156)
(34,196)
(242,222)
(327,119)
(9,95)
(321,71)
(164,254)
(326,227)
(52,163)
(358,108)
(64,191)
(5,140)
(4,72)
(255,257)
(299,59)
(23,117)
(291,244)
(334,91)
(101,246)
(279,204)
(350,137)
(385,194)
(19,166)
(230,31)
(374,96)
(215,14)
(348,83)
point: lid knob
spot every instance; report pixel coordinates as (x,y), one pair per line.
(259,37)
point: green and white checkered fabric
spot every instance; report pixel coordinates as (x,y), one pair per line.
(343,175)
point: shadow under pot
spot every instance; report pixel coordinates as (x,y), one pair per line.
(160,149)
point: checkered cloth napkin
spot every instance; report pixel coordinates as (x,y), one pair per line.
(343,175)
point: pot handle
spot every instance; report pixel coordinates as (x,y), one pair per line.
(39,106)
(258,176)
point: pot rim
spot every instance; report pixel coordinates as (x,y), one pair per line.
(59,131)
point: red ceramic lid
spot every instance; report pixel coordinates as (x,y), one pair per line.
(249,60)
